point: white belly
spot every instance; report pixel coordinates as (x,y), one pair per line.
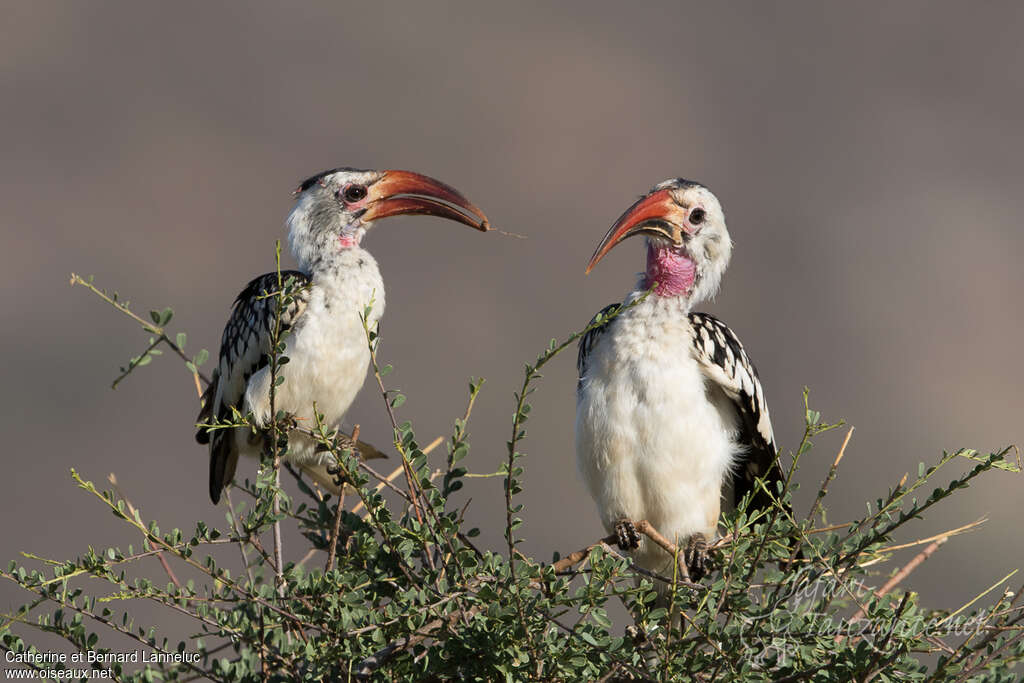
(327,355)
(328,358)
(650,442)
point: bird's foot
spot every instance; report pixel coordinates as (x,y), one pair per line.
(696,556)
(285,425)
(627,537)
(288,422)
(338,474)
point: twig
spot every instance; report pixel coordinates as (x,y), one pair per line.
(384,481)
(901,575)
(112,478)
(979,596)
(365,667)
(645,527)
(885,641)
(910,566)
(409,476)
(727,539)
(823,491)
(944,535)
(337,514)
(606,544)
(147,325)
(278,552)
(275,366)
(581,554)
(432,445)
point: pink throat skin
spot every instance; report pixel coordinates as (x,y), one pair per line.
(347,242)
(674,272)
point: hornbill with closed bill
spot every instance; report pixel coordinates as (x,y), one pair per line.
(326,344)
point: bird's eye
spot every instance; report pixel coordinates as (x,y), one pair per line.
(697,216)
(353,193)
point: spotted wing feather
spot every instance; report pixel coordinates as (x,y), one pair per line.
(725,363)
(589,339)
(244,349)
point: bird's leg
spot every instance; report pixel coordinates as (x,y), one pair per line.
(627,537)
(332,466)
(696,554)
(288,422)
(285,425)
(335,471)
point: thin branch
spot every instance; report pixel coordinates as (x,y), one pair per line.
(275,366)
(112,478)
(147,325)
(410,478)
(902,574)
(823,491)
(337,515)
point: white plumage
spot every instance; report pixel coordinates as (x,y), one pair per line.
(669,406)
(654,440)
(326,344)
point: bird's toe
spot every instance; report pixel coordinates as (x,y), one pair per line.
(696,555)
(627,537)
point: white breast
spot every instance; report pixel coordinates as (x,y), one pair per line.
(651,442)
(327,351)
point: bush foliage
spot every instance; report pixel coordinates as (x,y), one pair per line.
(394,587)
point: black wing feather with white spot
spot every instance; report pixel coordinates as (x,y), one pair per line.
(244,349)
(589,339)
(726,364)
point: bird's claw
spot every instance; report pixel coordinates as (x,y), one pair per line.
(285,426)
(288,422)
(336,473)
(696,556)
(627,537)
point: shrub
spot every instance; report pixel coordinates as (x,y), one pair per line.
(398,590)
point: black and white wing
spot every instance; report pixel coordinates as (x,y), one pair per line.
(726,365)
(244,349)
(589,339)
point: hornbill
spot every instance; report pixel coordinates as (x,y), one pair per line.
(669,407)
(326,345)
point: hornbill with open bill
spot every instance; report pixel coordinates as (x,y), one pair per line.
(326,345)
(669,406)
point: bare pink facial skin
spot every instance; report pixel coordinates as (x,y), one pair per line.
(347,242)
(672,269)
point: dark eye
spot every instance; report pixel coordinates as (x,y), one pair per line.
(697,216)
(353,193)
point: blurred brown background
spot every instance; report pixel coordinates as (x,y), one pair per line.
(869,161)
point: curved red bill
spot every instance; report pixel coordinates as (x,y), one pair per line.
(649,215)
(405,192)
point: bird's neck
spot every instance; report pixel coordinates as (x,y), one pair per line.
(336,260)
(674,272)
(345,282)
(319,243)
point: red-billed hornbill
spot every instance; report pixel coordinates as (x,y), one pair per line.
(326,345)
(669,407)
